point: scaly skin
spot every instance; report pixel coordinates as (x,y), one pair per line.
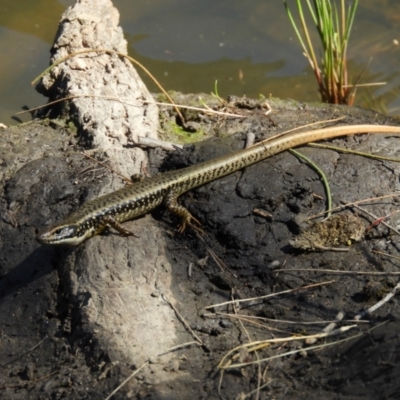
(142,197)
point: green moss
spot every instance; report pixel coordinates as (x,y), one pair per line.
(175,133)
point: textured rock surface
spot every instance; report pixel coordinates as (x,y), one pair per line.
(122,280)
(109,107)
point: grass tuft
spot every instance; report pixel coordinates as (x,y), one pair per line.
(333,29)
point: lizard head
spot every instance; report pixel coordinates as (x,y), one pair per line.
(60,234)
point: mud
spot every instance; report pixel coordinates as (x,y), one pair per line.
(49,351)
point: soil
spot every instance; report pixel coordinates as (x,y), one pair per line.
(50,348)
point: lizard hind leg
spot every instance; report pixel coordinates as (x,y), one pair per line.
(187,219)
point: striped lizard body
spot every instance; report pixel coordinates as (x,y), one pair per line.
(140,198)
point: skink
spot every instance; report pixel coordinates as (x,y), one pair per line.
(140,198)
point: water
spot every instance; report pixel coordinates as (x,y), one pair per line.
(248,47)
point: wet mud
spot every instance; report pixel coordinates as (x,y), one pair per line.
(50,348)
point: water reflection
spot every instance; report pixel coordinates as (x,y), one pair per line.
(248,47)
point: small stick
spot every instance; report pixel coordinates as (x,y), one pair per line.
(186,325)
(288,353)
(250,138)
(355,202)
(106,166)
(385,254)
(126,380)
(29,382)
(155,143)
(378,304)
(358,153)
(335,271)
(329,328)
(119,54)
(270,295)
(190,269)
(144,364)
(377,219)
(264,343)
(134,103)
(279,321)
(24,354)
(338,249)
(178,347)
(262,213)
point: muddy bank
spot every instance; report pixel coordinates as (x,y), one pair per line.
(40,307)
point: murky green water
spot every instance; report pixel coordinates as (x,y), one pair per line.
(248,46)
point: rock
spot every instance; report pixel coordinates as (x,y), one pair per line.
(109,282)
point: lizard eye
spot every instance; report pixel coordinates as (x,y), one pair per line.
(65,232)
